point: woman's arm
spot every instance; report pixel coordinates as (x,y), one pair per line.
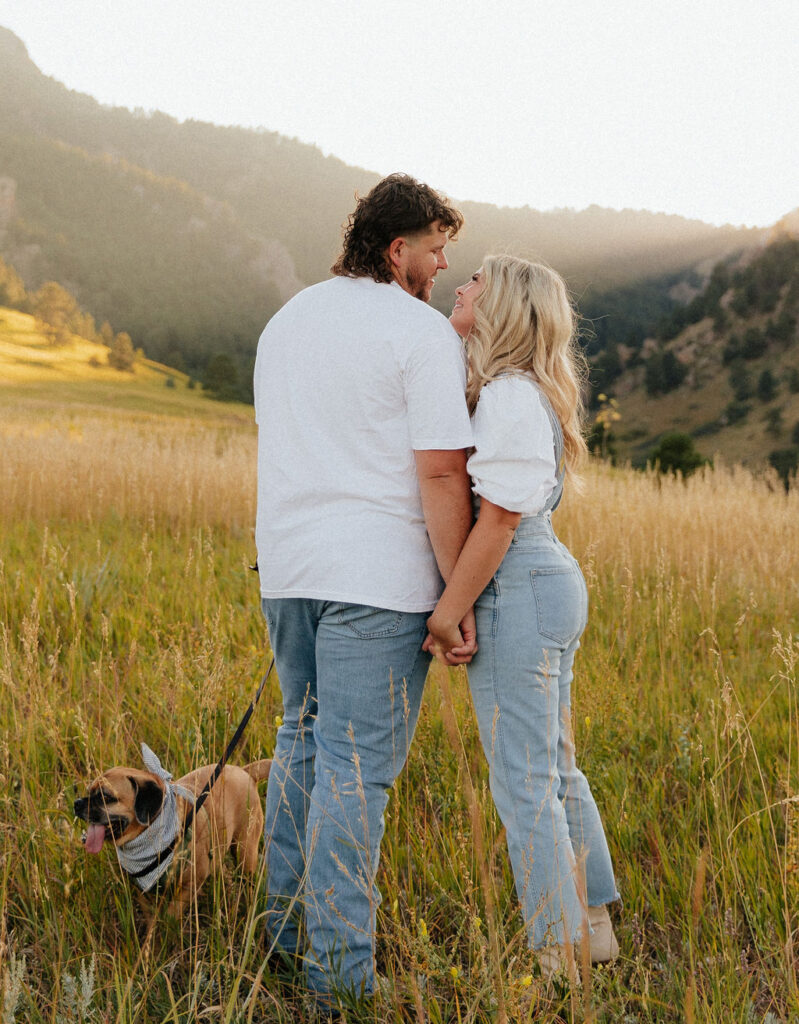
(482,553)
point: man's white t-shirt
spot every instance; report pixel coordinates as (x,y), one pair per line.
(352,377)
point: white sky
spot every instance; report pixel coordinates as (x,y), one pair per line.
(684,106)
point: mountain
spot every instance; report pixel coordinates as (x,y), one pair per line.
(723,367)
(190,235)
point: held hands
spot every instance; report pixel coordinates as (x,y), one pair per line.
(451,643)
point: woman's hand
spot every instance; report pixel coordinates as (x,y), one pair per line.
(463,655)
(449,642)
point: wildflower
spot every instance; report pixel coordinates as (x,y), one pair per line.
(423,929)
(455,974)
(527,981)
(278,720)
(588,721)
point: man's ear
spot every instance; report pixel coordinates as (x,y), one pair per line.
(396,252)
(149,798)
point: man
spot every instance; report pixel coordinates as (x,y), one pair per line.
(363,505)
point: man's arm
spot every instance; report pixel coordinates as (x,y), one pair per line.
(447,506)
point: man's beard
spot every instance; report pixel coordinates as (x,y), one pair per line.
(418,283)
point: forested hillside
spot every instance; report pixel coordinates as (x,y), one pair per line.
(189,235)
(723,367)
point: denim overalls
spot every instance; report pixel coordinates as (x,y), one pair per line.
(529,621)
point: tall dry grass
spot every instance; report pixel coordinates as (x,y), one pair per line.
(72,464)
(129,614)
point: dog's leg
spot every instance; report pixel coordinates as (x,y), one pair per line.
(247,839)
(194,871)
(248,851)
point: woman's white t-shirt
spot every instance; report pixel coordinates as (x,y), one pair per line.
(513,464)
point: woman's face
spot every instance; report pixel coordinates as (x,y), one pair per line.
(462,318)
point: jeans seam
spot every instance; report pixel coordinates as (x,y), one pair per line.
(495,610)
(498,713)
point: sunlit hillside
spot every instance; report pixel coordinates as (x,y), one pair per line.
(78,372)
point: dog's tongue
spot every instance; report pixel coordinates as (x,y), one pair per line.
(95,837)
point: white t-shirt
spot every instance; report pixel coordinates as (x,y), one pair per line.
(351,377)
(513,464)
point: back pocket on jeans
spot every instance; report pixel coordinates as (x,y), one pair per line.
(560,603)
(370,623)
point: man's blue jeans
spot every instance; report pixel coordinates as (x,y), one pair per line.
(352,678)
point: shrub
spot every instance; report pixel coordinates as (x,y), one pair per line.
(754,343)
(664,373)
(732,350)
(221,378)
(766,386)
(782,329)
(741,382)
(677,453)
(786,462)
(736,411)
(774,422)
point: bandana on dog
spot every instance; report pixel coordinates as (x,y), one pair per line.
(145,849)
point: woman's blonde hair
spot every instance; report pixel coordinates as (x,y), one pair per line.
(524,321)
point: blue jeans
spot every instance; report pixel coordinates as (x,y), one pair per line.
(529,621)
(352,678)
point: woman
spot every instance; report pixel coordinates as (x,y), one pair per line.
(530,600)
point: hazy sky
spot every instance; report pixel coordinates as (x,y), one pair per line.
(685,106)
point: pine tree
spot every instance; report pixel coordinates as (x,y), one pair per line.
(122,356)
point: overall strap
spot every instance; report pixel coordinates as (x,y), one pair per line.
(560,462)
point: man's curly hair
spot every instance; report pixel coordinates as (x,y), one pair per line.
(398,205)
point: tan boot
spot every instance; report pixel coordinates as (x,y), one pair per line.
(603,944)
(558,960)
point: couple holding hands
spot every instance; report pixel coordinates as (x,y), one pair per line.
(396,451)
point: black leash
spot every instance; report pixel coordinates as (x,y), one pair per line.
(230,748)
(206,790)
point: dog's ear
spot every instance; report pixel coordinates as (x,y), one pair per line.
(149,798)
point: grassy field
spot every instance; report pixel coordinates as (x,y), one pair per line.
(129,613)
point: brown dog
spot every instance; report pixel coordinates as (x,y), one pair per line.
(143,813)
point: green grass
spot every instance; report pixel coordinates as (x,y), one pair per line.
(117,629)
